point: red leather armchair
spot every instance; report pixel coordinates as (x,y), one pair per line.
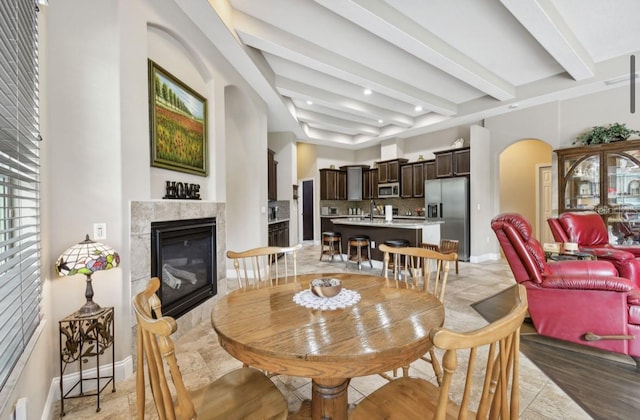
(588,230)
(584,302)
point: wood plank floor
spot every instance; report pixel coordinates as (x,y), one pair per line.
(605,385)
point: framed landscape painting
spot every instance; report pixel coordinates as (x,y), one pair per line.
(178,124)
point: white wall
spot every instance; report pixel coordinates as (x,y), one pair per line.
(85,157)
(480,194)
(246,142)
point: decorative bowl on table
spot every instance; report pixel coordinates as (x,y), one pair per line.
(325,287)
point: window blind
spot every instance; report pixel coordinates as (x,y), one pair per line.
(20,289)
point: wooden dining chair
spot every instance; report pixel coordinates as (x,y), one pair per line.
(242,393)
(256,266)
(490,389)
(423,269)
(433,247)
(450,246)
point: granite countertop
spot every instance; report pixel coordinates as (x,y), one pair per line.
(272,221)
(342,216)
(395,223)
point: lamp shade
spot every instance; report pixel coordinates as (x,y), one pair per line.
(85,258)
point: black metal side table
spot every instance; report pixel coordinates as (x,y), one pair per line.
(82,338)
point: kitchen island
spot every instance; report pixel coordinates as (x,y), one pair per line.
(380,230)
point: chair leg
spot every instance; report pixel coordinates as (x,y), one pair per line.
(436,366)
(348,253)
(456,266)
(340,247)
(369,253)
(405,371)
(321,249)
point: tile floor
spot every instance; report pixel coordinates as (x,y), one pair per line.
(201,359)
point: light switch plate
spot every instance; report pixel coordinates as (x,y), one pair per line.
(99,231)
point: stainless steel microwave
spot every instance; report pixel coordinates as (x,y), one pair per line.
(389,190)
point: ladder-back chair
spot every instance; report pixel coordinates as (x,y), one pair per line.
(256,266)
(491,394)
(242,393)
(450,246)
(423,269)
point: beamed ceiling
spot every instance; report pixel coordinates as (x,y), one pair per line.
(428,64)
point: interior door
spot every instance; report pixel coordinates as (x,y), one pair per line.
(307,210)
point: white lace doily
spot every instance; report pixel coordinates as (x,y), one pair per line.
(343,299)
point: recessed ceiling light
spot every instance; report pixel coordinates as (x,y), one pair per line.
(380,121)
(367,92)
(513,106)
(418,108)
(309,102)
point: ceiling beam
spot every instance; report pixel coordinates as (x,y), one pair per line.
(272,40)
(302,91)
(336,124)
(294,71)
(545,24)
(383,20)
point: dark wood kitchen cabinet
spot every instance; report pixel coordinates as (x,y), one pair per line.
(370,184)
(272,176)
(462,162)
(279,234)
(430,169)
(412,180)
(333,184)
(454,162)
(389,170)
(417,170)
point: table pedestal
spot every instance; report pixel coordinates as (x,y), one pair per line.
(329,399)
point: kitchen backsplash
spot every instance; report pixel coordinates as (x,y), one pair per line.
(279,210)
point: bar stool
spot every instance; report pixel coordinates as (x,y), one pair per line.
(328,245)
(395,243)
(358,242)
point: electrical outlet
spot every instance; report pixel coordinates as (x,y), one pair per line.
(373,244)
(99,231)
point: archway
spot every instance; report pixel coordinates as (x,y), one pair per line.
(525,183)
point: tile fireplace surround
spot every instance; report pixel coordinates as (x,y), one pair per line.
(145,212)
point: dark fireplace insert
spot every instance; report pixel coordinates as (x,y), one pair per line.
(183,256)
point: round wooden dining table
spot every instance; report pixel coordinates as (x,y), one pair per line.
(387,329)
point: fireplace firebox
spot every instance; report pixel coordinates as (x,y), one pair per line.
(183,256)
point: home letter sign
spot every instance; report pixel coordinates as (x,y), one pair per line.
(184,191)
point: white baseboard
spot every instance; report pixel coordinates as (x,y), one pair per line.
(484,257)
(123,370)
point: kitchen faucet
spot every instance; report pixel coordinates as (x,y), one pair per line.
(372,206)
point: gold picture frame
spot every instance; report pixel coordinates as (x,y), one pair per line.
(178,124)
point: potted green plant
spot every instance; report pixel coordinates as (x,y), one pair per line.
(621,131)
(601,134)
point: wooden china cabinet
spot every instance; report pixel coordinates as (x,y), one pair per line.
(603,178)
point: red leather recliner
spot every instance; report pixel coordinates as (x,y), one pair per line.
(584,302)
(588,230)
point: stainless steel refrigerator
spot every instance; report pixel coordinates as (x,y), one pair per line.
(447,199)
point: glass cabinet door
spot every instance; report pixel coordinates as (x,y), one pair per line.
(623,195)
(582,182)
